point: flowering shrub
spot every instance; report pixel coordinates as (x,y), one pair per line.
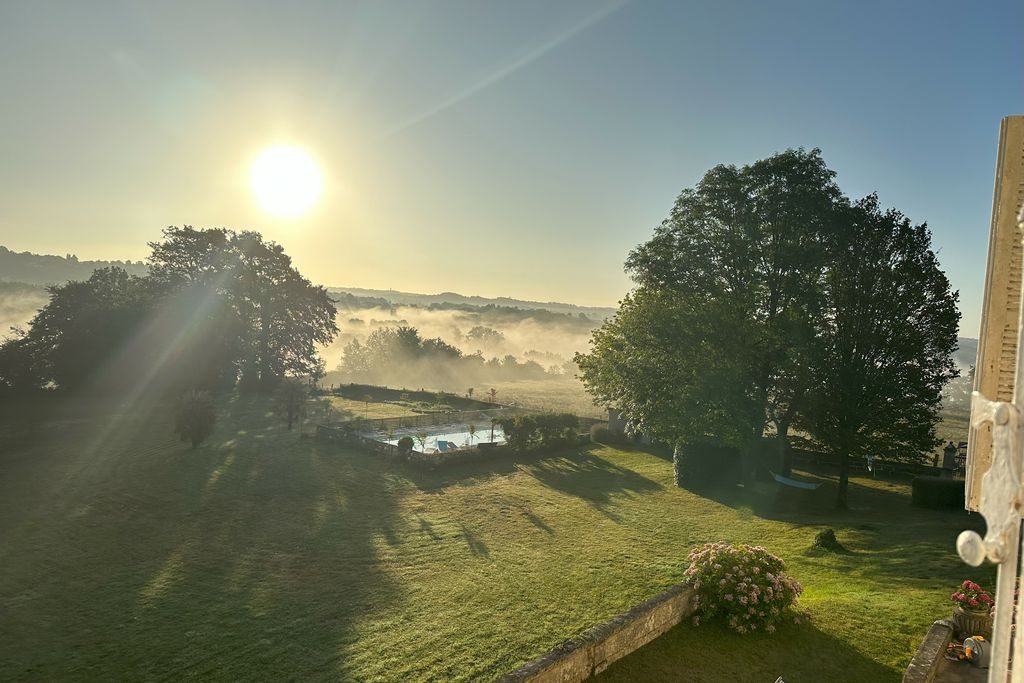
(972,596)
(746,585)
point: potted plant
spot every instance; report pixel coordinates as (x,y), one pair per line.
(972,615)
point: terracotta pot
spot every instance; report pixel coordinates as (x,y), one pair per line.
(967,622)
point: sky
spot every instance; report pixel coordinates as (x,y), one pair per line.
(495,148)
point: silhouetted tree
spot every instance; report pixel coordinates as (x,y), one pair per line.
(217,304)
(728,288)
(421,439)
(75,337)
(281,316)
(886,344)
(196,418)
(290,396)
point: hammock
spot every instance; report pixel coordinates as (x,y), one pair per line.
(786,481)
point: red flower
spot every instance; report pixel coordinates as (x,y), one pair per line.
(973,603)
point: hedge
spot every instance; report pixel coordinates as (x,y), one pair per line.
(704,463)
(599,433)
(540,431)
(938,493)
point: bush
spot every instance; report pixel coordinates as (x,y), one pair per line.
(938,493)
(600,433)
(196,418)
(826,540)
(705,464)
(405,444)
(744,585)
(540,431)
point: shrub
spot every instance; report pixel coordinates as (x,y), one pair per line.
(600,433)
(745,585)
(826,540)
(405,444)
(703,464)
(196,418)
(540,431)
(937,493)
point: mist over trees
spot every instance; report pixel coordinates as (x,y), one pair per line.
(400,356)
(216,307)
(759,302)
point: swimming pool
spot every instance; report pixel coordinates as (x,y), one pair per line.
(458,435)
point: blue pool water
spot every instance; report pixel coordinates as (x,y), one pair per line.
(454,434)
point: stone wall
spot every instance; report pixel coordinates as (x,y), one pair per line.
(930,654)
(595,650)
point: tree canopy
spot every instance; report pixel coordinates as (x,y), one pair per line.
(886,340)
(217,306)
(741,298)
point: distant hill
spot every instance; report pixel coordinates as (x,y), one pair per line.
(966,353)
(42,269)
(410,298)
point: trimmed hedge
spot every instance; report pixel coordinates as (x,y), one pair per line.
(704,464)
(938,493)
(599,433)
(540,431)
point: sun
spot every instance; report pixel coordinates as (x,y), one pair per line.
(285,181)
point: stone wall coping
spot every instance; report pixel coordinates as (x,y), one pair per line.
(925,664)
(593,637)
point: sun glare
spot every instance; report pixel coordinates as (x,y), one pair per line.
(285,181)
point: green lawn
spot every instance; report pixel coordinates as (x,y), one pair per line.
(336,408)
(126,556)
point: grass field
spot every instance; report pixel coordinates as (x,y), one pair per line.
(126,556)
(334,408)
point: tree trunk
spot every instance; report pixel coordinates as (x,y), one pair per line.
(291,417)
(749,452)
(844,480)
(785,454)
(264,352)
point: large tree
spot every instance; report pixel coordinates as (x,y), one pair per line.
(216,305)
(278,316)
(738,265)
(886,341)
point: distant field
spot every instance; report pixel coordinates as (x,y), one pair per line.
(956,421)
(557,394)
(338,408)
(126,556)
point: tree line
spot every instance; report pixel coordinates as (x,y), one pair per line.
(400,356)
(769,301)
(217,308)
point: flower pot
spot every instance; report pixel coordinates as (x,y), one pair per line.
(968,622)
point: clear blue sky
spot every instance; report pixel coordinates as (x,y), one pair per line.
(515,148)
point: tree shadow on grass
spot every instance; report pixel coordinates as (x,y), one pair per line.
(537,522)
(475,543)
(502,462)
(886,537)
(591,478)
(713,653)
(255,556)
